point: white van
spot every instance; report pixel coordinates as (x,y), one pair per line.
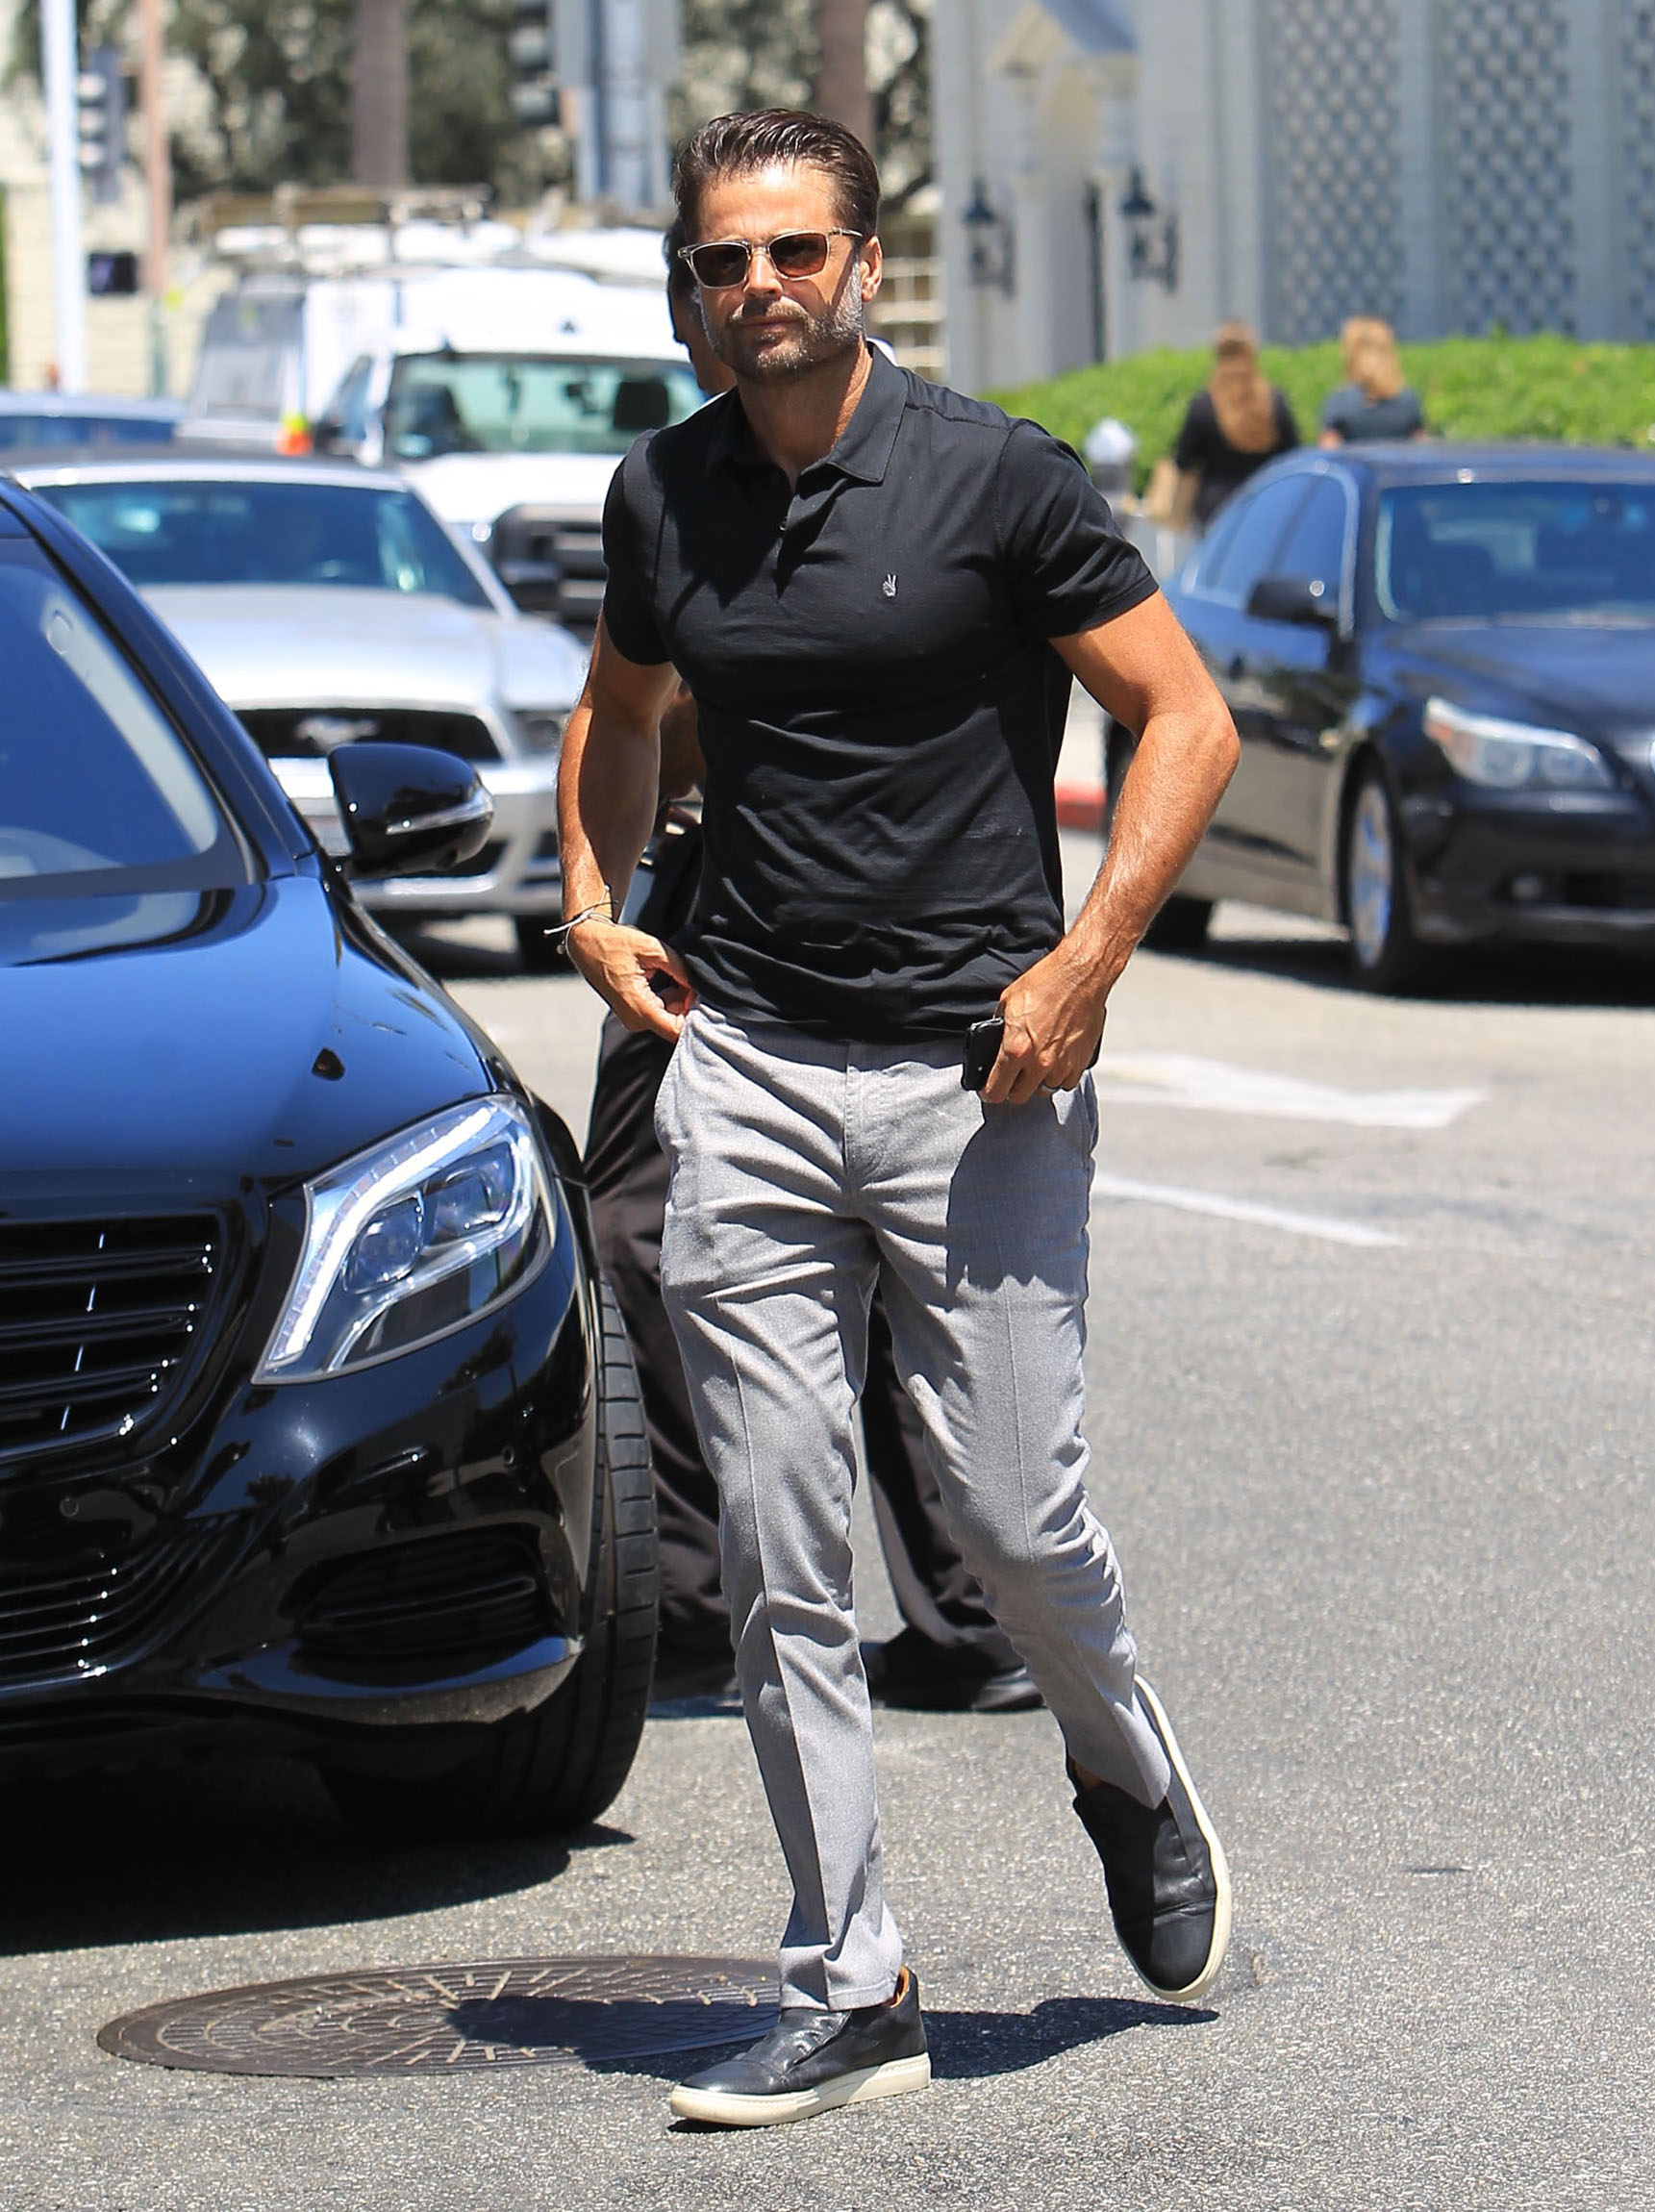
(507,392)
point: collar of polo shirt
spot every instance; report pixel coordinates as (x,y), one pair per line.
(863,449)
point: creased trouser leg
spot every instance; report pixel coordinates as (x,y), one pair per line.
(767,1286)
(981,1213)
(801,1168)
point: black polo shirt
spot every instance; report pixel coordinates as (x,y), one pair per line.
(879,706)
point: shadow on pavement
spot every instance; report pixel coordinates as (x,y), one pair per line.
(1507,976)
(974,2045)
(228,1851)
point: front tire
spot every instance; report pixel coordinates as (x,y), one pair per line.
(1181,925)
(558,1767)
(1385,953)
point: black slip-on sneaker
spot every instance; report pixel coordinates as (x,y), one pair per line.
(911,1674)
(812,2061)
(1169,1880)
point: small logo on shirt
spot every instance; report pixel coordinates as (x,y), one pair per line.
(891,587)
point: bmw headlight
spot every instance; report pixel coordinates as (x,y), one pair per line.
(413,1239)
(1515,756)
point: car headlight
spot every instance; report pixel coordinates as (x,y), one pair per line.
(1515,756)
(415,1238)
(541,733)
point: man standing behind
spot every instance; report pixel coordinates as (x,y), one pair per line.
(877,592)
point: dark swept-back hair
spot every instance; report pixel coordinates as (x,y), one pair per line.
(740,146)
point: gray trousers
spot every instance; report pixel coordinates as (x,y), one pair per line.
(802,1170)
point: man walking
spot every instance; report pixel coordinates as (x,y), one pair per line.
(877,592)
(950,1655)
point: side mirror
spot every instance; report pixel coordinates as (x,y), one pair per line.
(328,435)
(1294,599)
(407,809)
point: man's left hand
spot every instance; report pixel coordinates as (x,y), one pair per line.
(1054,1019)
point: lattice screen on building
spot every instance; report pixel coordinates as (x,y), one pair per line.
(1504,174)
(1637,58)
(1333,150)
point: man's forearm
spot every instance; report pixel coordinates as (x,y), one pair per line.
(1178,773)
(607,783)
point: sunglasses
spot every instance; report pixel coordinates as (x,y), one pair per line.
(725,261)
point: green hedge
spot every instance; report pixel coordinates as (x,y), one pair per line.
(1535,388)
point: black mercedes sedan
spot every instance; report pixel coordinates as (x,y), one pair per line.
(318,1433)
(1440,661)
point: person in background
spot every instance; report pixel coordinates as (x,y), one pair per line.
(951,1655)
(1374,401)
(1230,428)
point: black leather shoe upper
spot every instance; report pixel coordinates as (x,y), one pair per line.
(809,2045)
(1162,1891)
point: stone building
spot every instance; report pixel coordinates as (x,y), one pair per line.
(1121,173)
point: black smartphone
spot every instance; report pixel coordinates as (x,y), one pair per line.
(982,1050)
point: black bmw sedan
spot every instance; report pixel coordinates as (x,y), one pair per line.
(1442,664)
(318,1433)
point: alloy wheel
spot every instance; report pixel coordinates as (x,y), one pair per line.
(1372,880)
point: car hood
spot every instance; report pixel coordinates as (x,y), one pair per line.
(191,1040)
(1600,675)
(480,487)
(297,645)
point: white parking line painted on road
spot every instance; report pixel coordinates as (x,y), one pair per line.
(1326,1226)
(1214,1086)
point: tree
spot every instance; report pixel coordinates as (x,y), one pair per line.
(277,76)
(379,92)
(842,91)
(768,54)
(276,86)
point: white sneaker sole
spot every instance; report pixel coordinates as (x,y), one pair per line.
(896,2077)
(1221,1944)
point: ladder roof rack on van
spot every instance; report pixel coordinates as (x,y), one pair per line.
(348,230)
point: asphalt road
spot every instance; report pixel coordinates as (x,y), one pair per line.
(1370,1394)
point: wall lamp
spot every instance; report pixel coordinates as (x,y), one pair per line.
(1151,236)
(990,240)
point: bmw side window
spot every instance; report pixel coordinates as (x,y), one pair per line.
(1251,552)
(1208,558)
(1312,552)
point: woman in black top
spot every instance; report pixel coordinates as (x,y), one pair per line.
(1230,428)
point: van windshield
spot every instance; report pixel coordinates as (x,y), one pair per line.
(527,403)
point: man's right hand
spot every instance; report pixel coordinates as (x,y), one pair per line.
(644,980)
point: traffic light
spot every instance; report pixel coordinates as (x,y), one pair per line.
(534,77)
(101,93)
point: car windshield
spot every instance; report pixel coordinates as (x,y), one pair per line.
(524,403)
(22,433)
(246,531)
(1562,551)
(98,791)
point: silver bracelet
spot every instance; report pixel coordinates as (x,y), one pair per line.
(602,911)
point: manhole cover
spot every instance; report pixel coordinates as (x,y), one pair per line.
(437,2019)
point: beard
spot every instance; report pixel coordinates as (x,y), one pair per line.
(810,342)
